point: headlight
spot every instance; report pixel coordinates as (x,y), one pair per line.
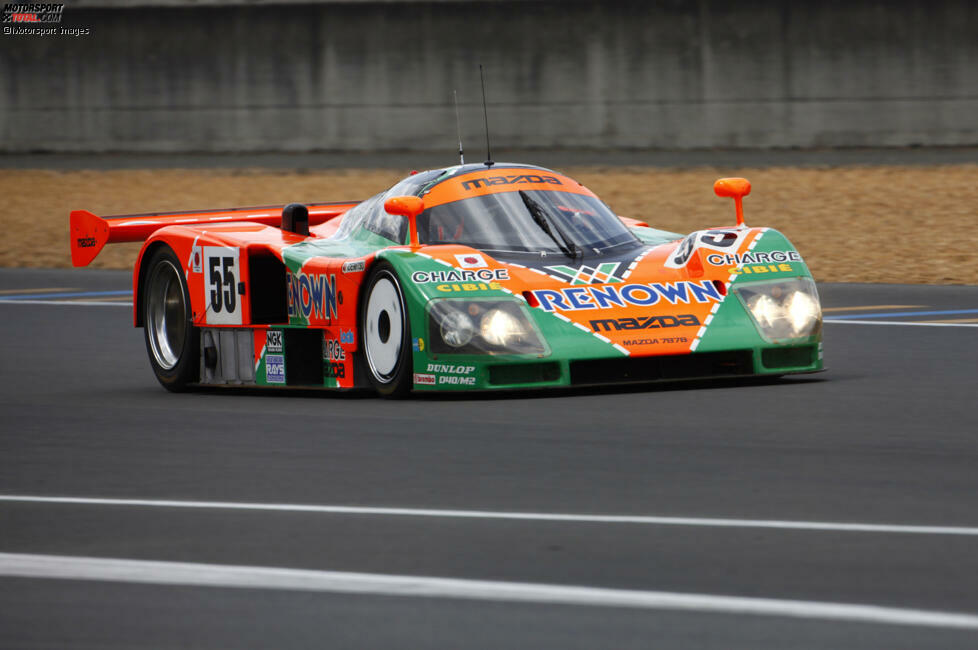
(460,326)
(765,309)
(501,328)
(803,311)
(457,328)
(783,309)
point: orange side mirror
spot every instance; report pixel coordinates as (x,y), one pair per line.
(735,188)
(410,207)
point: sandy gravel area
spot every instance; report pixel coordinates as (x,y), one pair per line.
(851,224)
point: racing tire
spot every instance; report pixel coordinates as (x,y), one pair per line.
(385,334)
(172,341)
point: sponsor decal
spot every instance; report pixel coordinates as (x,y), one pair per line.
(424,380)
(715,240)
(273,341)
(86,242)
(602,274)
(312,294)
(469,286)
(354,267)
(455,380)
(640,295)
(450,369)
(347,337)
(196,259)
(471,260)
(334,370)
(675,339)
(221,285)
(734,259)
(644,322)
(333,351)
(275,368)
(476,183)
(767,268)
(455,275)
(418,344)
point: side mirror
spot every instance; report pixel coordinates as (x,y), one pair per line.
(735,188)
(410,207)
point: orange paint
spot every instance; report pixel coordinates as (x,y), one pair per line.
(737,189)
(493,181)
(410,207)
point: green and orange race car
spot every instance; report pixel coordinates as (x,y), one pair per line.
(473,277)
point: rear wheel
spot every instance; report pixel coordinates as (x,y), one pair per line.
(173,343)
(385,333)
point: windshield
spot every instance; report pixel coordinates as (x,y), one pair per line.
(575,225)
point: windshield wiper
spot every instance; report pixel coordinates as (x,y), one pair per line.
(568,247)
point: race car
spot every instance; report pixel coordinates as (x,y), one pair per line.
(471,277)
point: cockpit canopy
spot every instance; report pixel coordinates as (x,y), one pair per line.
(511,218)
(527,221)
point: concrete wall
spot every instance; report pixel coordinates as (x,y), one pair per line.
(376,76)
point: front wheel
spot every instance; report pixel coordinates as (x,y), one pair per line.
(385,333)
(172,341)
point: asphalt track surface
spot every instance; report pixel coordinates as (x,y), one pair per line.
(888,436)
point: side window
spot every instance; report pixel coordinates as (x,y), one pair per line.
(355,216)
(388,226)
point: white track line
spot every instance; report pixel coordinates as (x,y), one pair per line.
(898,322)
(523,516)
(251,577)
(86,303)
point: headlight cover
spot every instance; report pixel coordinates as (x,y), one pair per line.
(783,310)
(461,326)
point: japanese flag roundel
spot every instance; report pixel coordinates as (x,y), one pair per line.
(471,261)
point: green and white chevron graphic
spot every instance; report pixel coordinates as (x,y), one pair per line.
(604,273)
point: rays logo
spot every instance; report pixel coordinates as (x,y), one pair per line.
(312,294)
(602,274)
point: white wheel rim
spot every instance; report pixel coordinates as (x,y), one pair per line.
(385,316)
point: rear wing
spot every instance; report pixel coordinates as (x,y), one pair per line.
(90,233)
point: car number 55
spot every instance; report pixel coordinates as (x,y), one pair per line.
(221,290)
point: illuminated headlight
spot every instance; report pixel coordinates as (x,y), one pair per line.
(501,328)
(783,309)
(459,326)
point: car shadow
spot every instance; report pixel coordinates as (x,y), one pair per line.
(619,389)
(527,393)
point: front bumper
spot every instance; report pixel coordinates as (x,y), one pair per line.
(497,374)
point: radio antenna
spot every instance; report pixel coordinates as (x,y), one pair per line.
(485,115)
(458,126)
